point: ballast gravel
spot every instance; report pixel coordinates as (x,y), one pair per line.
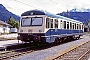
(42,54)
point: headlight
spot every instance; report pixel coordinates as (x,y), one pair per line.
(40,30)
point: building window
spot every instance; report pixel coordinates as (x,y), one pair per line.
(56,23)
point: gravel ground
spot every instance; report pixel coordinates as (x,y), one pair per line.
(42,54)
(89,58)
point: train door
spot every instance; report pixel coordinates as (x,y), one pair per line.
(51,29)
(49,25)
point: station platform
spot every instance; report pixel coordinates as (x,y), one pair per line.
(9,36)
(4,44)
(4,40)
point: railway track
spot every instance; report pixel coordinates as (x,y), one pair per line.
(11,53)
(78,52)
(7,55)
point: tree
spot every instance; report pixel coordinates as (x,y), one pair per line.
(14,23)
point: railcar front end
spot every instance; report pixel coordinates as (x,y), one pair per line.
(31,28)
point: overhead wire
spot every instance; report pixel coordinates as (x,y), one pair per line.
(53,2)
(25,4)
(43,4)
(56,3)
(37,1)
(33,6)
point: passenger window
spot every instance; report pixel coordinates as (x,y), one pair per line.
(82,27)
(70,25)
(47,22)
(51,23)
(77,26)
(56,23)
(64,24)
(61,24)
(67,25)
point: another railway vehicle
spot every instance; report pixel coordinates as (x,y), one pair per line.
(42,26)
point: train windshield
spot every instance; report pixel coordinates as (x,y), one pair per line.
(26,21)
(33,21)
(36,21)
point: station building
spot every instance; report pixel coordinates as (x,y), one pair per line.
(4,27)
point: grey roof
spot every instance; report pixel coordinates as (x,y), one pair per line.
(4,23)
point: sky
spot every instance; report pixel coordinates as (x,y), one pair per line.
(53,6)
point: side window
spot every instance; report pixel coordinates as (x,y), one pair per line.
(56,23)
(70,25)
(75,25)
(47,22)
(80,26)
(67,25)
(51,23)
(64,24)
(61,24)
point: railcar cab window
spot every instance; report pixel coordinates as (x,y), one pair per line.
(33,21)
(25,21)
(37,21)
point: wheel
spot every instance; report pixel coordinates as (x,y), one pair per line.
(56,40)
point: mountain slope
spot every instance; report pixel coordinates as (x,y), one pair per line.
(5,14)
(78,15)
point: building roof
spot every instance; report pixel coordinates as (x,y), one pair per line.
(4,23)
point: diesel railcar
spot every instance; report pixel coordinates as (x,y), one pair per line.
(42,26)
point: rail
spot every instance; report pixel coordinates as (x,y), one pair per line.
(78,52)
(15,53)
